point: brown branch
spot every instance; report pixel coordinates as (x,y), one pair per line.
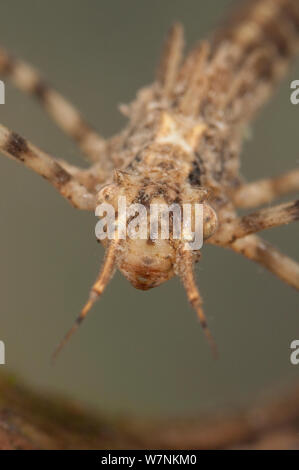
(32,421)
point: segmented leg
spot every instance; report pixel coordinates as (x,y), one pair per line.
(264,253)
(185,271)
(255,222)
(264,191)
(28,80)
(105,275)
(16,147)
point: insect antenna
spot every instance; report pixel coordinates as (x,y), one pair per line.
(187,276)
(105,275)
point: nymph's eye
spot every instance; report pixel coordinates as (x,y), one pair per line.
(210,221)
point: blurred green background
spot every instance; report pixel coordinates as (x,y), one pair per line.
(138,352)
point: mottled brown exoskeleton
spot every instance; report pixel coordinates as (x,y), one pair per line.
(182,144)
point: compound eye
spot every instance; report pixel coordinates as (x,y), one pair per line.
(210,221)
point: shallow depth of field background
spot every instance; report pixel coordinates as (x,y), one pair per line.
(138,352)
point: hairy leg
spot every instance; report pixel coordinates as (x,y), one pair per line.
(264,191)
(262,252)
(66,116)
(260,220)
(185,264)
(19,149)
(104,277)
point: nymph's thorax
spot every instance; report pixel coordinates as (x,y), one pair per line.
(180,153)
(166,146)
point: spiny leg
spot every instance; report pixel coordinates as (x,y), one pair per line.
(194,79)
(262,252)
(255,222)
(171,59)
(265,190)
(21,150)
(185,271)
(98,288)
(66,116)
